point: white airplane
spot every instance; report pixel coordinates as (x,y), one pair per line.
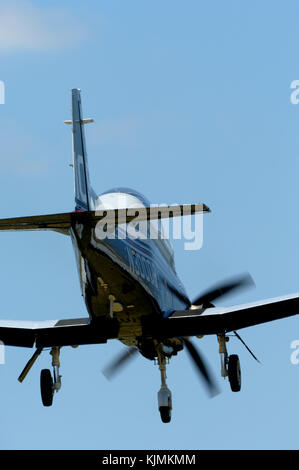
(130,287)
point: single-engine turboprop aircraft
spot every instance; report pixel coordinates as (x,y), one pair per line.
(130,287)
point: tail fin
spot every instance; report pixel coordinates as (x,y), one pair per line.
(84,195)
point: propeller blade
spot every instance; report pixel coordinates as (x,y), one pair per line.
(249,350)
(114,367)
(223,289)
(201,367)
(179,295)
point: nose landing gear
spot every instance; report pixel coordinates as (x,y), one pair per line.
(164,394)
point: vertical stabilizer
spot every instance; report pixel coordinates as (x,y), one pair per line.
(83,191)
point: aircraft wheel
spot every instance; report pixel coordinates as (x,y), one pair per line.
(234,373)
(165,412)
(46,387)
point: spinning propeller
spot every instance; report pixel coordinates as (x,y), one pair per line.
(220,290)
(205,300)
(119,362)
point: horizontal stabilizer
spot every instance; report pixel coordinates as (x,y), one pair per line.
(38,222)
(63,222)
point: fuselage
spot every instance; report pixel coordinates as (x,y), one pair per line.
(137,273)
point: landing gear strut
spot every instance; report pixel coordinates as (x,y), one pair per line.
(164,394)
(48,385)
(230,365)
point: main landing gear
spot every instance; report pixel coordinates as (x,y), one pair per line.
(230,365)
(48,384)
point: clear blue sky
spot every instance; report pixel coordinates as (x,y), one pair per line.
(191,102)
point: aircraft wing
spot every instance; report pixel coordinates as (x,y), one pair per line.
(192,322)
(70,332)
(215,320)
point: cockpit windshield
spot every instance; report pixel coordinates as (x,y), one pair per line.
(130,191)
(161,241)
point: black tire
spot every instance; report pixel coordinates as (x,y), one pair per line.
(46,387)
(234,373)
(165,413)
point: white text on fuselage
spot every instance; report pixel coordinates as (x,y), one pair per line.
(142,267)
